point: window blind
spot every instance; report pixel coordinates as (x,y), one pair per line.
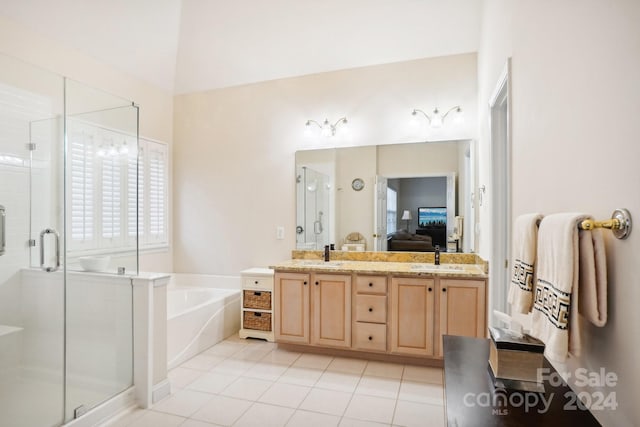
(116,191)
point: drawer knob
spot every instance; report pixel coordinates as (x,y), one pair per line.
(256,282)
(444,289)
(370,285)
(370,309)
(304,283)
(430,289)
(317,283)
(370,338)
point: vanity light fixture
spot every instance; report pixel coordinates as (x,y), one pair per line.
(326,128)
(436,119)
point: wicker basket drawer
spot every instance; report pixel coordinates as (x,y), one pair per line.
(257,299)
(256,320)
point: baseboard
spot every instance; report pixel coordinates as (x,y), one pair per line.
(160,391)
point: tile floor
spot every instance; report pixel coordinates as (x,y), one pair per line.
(253,383)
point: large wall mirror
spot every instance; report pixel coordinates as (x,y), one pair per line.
(399,197)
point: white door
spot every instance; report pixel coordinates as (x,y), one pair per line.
(380,215)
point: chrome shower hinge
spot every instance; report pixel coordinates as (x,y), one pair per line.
(31,146)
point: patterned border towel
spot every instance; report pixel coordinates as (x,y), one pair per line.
(561,256)
(525,235)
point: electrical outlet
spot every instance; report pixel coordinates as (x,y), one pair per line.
(280,232)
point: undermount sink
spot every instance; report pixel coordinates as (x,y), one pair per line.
(320,263)
(443,268)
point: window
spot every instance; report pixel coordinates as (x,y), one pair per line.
(115,192)
(392,210)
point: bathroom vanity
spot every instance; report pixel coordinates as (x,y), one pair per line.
(382,307)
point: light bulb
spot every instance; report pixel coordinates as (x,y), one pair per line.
(458,117)
(326,129)
(436,119)
(308,132)
(414,123)
(345,129)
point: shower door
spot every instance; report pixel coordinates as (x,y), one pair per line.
(31,299)
(69,190)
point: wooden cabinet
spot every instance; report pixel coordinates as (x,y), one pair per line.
(331,310)
(462,309)
(380,313)
(313,309)
(412,315)
(291,305)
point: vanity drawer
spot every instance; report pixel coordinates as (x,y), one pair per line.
(370,336)
(371,308)
(257,283)
(371,285)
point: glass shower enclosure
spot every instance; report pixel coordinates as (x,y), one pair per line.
(68,245)
(313,196)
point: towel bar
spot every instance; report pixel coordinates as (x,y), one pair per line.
(620,223)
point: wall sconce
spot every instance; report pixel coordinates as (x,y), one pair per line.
(406,216)
(436,119)
(326,129)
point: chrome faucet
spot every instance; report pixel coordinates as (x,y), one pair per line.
(436,256)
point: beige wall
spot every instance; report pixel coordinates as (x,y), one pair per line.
(234,151)
(576,101)
(156,105)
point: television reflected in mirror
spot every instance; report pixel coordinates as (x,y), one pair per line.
(432,221)
(432,217)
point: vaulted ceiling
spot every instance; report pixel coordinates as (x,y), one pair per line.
(194,45)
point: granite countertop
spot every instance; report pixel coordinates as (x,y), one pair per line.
(378,267)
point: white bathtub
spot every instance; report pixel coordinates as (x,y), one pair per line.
(202,310)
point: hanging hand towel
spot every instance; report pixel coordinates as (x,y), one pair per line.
(525,235)
(562,251)
(592,300)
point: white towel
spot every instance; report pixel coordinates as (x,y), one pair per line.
(525,235)
(563,251)
(592,299)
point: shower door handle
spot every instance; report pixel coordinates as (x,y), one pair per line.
(57,237)
(3,231)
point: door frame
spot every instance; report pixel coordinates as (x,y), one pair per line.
(500,128)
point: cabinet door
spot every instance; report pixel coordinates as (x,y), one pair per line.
(412,305)
(331,310)
(462,308)
(291,307)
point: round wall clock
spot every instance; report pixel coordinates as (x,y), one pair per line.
(357,184)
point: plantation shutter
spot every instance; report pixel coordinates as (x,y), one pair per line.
(156,159)
(82,169)
(111,197)
(135,195)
